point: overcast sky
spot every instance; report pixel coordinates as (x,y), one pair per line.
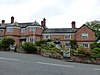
(58,13)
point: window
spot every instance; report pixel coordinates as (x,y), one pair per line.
(68,36)
(67,44)
(9,29)
(84,35)
(23,30)
(47,37)
(1,30)
(32,29)
(85,45)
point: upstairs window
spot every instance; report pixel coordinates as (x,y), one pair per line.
(84,35)
(9,29)
(23,30)
(1,30)
(47,37)
(68,36)
(32,29)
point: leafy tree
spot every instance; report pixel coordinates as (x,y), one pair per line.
(94,25)
(6,42)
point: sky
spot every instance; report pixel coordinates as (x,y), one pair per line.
(58,13)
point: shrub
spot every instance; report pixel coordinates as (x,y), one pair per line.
(39,43)
(95,52)
(82,51)
(29,47)
(6,42)
(95,45)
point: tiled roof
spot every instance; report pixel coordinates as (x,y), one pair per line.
(60,30)
(21,24)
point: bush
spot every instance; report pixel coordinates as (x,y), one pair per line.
(29,47)
(82,51)
(96,52)
(95,45)
(6,42)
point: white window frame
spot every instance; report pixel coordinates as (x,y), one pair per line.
(9,29)
(45,37)
(84,44)
(23,31)
(1,30)
(67,36)
(84,35)
(32,29)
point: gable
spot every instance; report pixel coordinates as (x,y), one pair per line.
(84,28)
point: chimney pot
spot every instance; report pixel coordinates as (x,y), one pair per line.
(3,21)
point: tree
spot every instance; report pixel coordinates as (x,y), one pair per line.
(73,44)
(94,25)
(6,42)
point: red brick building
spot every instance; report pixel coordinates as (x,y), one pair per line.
(33,31)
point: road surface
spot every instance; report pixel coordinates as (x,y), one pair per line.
(26,64)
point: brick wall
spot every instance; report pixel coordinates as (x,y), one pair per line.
(85,29)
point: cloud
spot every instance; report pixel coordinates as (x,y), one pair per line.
(11,2)
(57,12)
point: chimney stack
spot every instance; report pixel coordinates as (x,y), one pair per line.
(12,20)
(43,23)
(73,24)
(3,21)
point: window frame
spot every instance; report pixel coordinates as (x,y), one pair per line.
(67,36)
(84,44)
(45,37)
(31,29)
(1,30)
(84,35)
(23,31)
(10,29)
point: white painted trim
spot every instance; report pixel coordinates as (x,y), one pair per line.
(34,26)
(9,27)
(45,36)
(86,43)
(56,33)
(13,27)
